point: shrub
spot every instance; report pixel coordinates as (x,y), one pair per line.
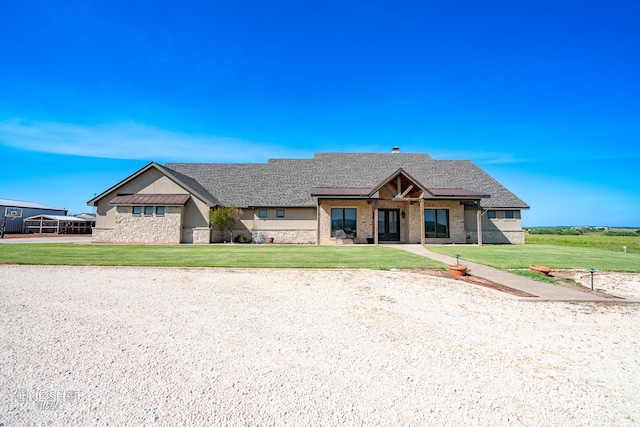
(240,238)
(620,233)
(556,231)
(225,217)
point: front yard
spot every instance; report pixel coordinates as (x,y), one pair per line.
(555,256)
(231,255)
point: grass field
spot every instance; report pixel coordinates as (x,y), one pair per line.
(558,252)
(240,256)
(613,243)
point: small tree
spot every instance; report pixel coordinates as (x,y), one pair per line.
(225,218)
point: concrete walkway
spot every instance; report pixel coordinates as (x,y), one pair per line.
(544,291)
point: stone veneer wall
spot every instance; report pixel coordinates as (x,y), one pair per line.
(497,237)
(219,236)
(201,235)
(304,237)
(101,235)
(412,222)
(457,233)
(410,226)
(364,226)
(196,235)
(129,228)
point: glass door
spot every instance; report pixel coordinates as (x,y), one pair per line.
(388,225)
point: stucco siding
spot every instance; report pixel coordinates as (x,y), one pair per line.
(298,226)
(151,181)
(497,237)
(294,219)
(114,226)
(196,213)
(499,230)
(105,214)
(243,226)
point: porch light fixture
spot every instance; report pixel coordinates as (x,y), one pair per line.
(402,214)
(592,270)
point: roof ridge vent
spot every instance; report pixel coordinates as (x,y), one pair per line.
(395,149)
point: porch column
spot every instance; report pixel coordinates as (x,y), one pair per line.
(375,221)
(422,220)
(318,223)
(479,221)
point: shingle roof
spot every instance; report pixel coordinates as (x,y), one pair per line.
(457,192)
(288,182)
(340,192)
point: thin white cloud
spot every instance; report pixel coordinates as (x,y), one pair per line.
(128,140)
(485,158)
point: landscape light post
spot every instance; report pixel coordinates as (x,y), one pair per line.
(592,270)
(457,259)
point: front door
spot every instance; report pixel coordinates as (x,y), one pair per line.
(388,225)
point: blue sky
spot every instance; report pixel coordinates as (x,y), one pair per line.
(544,96)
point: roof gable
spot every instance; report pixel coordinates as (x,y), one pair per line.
(208,199)
(401,185)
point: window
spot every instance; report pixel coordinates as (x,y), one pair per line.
(344,220)
(149,210)
(436,223)
(279,213)
(508,214)
(262,213)
(491,214)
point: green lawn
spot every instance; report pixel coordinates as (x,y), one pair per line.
(577,254)
(249,256)
(613,243)
(550,255)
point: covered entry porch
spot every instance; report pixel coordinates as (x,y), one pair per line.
(398,210)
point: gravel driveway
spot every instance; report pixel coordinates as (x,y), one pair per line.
(166,346)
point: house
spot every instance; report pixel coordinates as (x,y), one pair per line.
(333,198)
